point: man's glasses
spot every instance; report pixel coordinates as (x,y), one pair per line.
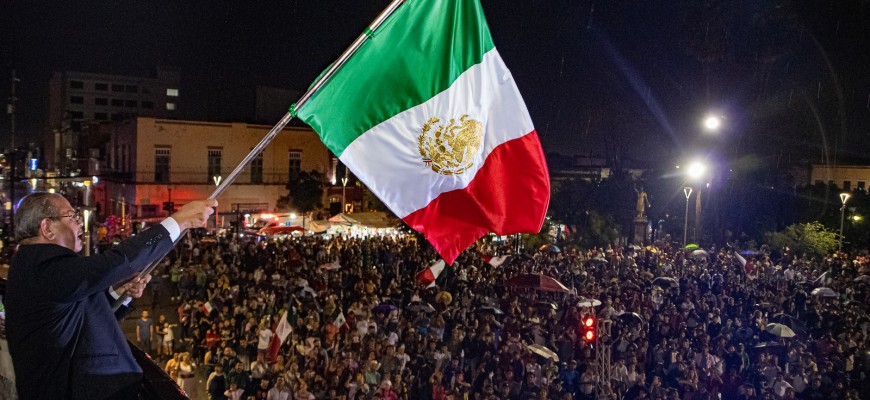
(77,216)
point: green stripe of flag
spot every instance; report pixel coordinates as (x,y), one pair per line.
(422,48)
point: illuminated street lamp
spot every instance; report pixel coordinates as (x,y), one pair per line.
(844,197)
(696,170)
(712,123)
(688,192)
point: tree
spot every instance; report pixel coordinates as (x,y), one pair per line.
(305,193)
(810,238)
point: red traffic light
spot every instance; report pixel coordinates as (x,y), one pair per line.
(587,326)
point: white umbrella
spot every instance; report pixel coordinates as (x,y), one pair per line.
(779,330)
(543,352)
(824,292)
(699,254)
(584,302)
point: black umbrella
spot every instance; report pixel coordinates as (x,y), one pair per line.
(795,324)
(630,317)
(419,306)
(743,334)
(385,308)
(490,309)
(666,282)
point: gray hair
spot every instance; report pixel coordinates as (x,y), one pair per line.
(32,209)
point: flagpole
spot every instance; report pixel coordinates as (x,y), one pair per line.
(342,59)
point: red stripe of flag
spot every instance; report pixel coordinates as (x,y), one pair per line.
(509,194)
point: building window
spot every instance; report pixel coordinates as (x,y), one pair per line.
(847,186)
(131,89)
(101,101)
(117,117)
(76,115)
(172,92)
(295,163)
(77,100)
(101,87)
(117,102)
(117,88)
(861,185)
(214,164)
(148,104)
(101,116)
(161,165)
(130,103)
(170,106)
(257,169)
(76,85)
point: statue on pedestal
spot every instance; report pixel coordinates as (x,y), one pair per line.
(642,203)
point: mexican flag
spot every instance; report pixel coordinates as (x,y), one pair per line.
(428,276)
(428,117)
(281,332)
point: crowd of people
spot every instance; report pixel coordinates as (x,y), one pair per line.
(679,325)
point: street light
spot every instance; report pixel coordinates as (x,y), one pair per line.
(688,192)
(344,191)
(712,123)
(844,197)
(695,171)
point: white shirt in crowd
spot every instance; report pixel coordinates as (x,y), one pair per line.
(263,339)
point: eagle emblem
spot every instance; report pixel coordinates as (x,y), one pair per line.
(449,149)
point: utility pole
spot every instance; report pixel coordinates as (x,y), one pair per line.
(10,109)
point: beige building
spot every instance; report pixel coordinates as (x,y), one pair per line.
(844,177)
(152,161)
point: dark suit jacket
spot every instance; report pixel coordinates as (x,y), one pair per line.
(63,336)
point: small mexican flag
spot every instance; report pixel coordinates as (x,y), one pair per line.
(428,276)
(428,116)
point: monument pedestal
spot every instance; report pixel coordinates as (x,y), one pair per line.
(641,225)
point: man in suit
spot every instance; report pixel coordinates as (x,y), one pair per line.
(63,336)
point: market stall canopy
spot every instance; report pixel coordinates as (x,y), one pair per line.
(370,219)
(280,230)
(319,226)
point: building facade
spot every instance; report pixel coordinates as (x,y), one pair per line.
(844,177)
(79,99)
(152,161)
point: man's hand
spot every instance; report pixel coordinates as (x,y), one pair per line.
(134,287)
(194,214)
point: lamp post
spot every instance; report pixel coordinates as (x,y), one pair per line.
(695,171)
(844,197)
(688,192)
(344,191)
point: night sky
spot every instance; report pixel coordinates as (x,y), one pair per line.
(626,78)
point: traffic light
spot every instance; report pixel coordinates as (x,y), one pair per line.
(587,329)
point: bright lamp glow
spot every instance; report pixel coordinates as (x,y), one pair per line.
(696,169)
(712,123)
